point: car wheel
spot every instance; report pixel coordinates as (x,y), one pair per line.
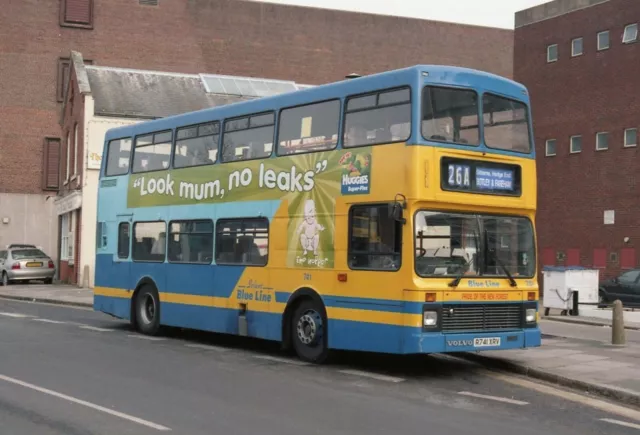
(5,279)
(48,281)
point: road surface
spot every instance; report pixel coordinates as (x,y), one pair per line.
(72,371)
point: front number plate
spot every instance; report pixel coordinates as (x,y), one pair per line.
(485,342)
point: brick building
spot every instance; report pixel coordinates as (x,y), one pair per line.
(579,59)
(233,37)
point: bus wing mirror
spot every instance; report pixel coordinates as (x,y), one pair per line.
(396,207)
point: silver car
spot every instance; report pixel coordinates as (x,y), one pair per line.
(25,263)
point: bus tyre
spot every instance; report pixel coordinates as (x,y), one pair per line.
(147,309)
(309,332)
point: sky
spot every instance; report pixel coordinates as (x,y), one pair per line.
(492,13)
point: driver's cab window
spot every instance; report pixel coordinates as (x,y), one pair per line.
(375,238)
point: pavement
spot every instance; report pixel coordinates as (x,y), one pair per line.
(575,352)
(69,370)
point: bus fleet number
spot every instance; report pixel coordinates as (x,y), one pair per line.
(459,176)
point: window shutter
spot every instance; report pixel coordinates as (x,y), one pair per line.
(78,11)
(51,169)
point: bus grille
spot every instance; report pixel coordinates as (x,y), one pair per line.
(489,317)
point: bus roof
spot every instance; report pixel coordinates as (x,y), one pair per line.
(436,74)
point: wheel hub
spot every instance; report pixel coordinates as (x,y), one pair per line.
(148,309)
(309,328)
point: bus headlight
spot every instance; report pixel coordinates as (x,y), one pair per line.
(530,315)
(430,318)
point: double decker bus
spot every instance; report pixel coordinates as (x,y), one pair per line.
(391,213)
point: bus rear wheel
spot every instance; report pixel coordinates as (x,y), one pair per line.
(309,332)
(147,309)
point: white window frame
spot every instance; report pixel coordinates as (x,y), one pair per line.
(573,52)
(546,147)
(549,60)
(598,136)
(626,40)
(75,150)
(600,47)
(64,237)
(630,145)
(571,151)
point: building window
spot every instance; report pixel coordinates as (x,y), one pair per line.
(149,241)
(51,164)
(242,241)
(76,13)
(67,237)
(603,40)
(118,154)
(124,240)
(380,118)
(576,47)
(191,241)
(248,138)
(630,33)
(152,152)
(309,128)
(576,144)
(552,53)
(68,151)
(631,137)
(550,148)
(375,241)
(75,149)
(197,145)
(602,141)
(64,67)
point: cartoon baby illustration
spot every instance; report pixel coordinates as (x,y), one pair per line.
(310,228)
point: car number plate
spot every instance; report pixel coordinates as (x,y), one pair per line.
(33,264)
(486,341)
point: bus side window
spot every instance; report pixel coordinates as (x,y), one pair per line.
(152,152)
(242,241)
(375,238)
(197,145)
(248,138)
(124,240)
(118,153)
(383,117)
(309,128)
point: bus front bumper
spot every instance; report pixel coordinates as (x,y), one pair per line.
(438,342)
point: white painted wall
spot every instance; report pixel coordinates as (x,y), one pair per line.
(31,219)
(95,129)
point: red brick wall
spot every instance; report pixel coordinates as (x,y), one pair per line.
(217,36)
(595,92)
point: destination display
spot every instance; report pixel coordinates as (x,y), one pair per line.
(474,176)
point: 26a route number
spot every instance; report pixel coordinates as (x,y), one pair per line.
(459,176)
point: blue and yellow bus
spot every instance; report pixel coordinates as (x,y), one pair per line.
(390,213)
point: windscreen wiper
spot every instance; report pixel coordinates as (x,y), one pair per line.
(459,276)
(504,268)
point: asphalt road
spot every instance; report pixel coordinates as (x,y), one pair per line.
(72,371)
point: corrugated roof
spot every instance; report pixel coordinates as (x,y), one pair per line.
(150,94)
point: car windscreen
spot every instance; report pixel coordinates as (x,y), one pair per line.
(21,254)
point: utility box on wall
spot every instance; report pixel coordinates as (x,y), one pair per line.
(561,282)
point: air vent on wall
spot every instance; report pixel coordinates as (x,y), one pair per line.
(148,2)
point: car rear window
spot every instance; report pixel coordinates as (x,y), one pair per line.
(20,254)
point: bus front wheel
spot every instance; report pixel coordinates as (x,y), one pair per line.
(147,310)
(309,332)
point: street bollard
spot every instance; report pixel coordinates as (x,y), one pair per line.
(617,326)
